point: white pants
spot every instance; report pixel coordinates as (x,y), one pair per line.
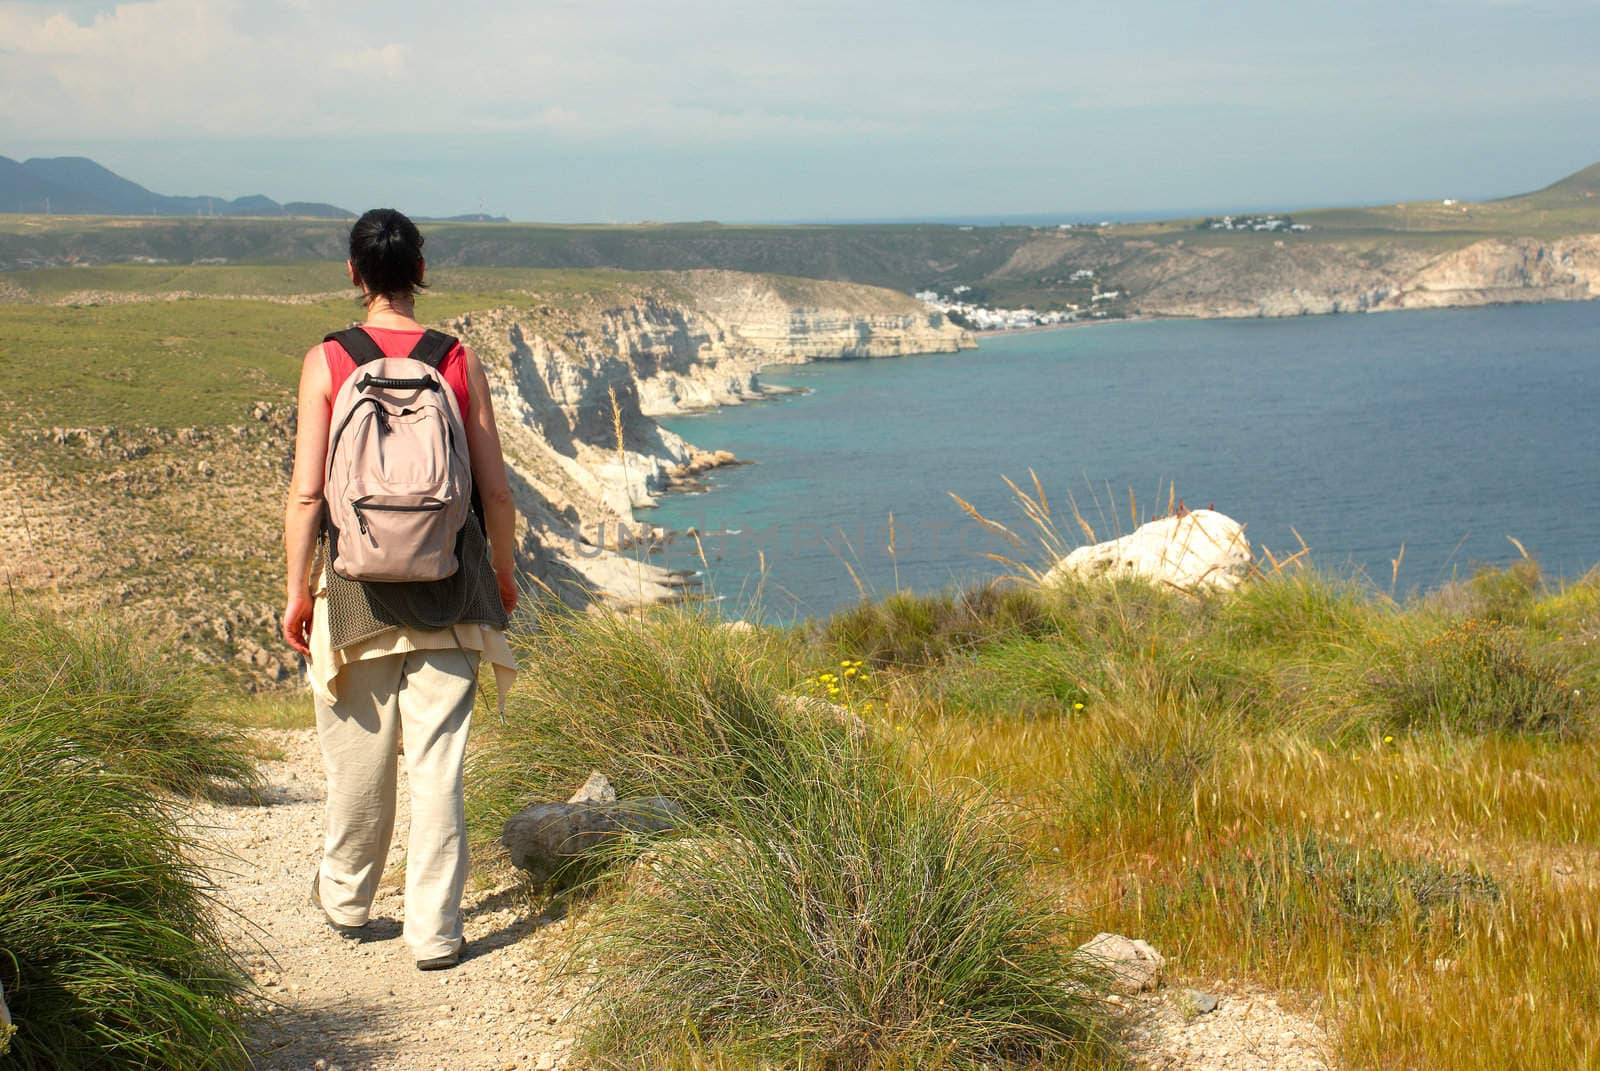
(427,696)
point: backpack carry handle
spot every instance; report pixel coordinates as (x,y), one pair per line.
(421,383)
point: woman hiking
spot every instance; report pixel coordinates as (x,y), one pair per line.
(393,596)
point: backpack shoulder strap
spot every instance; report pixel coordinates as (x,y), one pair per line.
(357,343)
(432,348)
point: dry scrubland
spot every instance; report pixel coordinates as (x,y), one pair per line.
(1388,815)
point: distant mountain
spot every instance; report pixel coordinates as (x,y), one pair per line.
(76,185)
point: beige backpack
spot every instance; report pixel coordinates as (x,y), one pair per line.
(398,478)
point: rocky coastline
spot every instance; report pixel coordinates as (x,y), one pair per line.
(578,403)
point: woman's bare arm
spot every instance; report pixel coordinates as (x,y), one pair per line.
(303,514)
(489,476)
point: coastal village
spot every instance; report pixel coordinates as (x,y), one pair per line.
(1270,224)
(962,308)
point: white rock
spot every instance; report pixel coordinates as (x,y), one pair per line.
(597,789)
(1133,965)
(1201,549)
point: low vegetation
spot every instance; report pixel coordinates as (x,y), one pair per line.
(1388,812)
(1383,812)
(826,907)
(122,699)
(1379,810)
(110,955)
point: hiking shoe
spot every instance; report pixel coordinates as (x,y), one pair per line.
(350,932)
(442,963)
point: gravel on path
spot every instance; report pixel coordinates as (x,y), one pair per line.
(362,1004)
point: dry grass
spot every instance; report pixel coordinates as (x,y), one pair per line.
(1237,780)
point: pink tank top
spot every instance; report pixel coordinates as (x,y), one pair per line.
(396,342)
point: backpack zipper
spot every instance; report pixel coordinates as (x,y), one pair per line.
(359,505)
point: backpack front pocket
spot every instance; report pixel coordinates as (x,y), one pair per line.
(399,537)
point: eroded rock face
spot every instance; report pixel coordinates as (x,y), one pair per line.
(1299,278)
(1199,550)
(577,391)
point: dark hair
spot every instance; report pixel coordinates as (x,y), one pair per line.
(386,249)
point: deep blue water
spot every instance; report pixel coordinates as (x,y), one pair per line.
(1443,431)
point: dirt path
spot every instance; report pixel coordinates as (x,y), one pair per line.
(349,1005)
(363,1004)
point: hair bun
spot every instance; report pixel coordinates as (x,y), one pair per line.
(386,249)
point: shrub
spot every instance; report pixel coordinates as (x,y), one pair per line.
(1293,884)
(844,919)
(824,908)
(1575,607)
(109,954)
(129,704)
(1505,595)
(1478,677)
(921,630)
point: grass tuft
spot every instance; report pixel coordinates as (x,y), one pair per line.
(133,706)
(906,629)
(109,953)
(826,909)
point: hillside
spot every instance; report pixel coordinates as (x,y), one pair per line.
(1540,246)
(149,470)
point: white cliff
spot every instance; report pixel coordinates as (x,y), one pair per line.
(576,392)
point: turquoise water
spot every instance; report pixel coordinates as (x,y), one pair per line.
(1442,431)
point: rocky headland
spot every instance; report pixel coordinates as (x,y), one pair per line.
(1300,278)
(577,395)
(182,524)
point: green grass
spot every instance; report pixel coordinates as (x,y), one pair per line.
(1480,676)
(824,909)
(132,361)
(137,708)
(110,954)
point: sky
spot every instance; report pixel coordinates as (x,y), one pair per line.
(626,110)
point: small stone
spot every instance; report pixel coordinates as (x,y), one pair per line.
(597,789)
(320,1065)
(1132,965)
(1204,1003)
(546,1062)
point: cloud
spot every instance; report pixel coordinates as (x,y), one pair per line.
(725,72)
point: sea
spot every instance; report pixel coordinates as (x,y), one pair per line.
(1407,448)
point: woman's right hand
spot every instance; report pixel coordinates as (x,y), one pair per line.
(506,580)
(297,623)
